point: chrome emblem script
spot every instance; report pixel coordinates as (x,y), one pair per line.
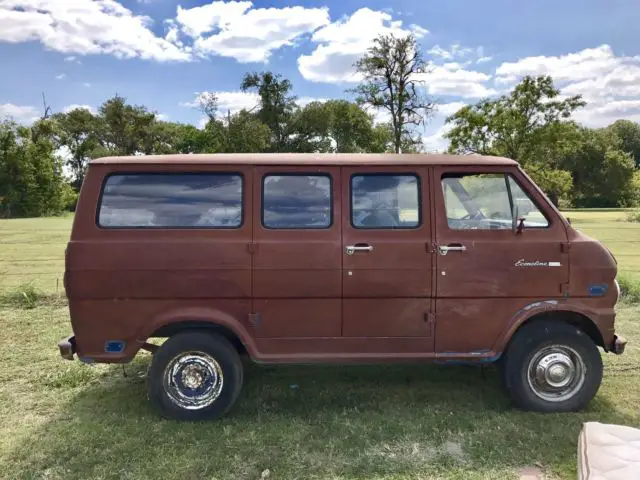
(536,263)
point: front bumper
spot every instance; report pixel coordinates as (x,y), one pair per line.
(618,345)
(67,347)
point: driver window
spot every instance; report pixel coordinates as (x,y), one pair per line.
(477,201)
(488,201)
(385,201)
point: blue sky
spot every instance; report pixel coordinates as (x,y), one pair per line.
(163,53)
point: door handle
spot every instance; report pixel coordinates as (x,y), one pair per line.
(444,249)
(351,249)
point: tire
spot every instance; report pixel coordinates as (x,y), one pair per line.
(537,367)
(195,376)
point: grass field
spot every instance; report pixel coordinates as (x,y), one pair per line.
(63,419)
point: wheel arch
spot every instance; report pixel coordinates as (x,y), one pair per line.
(571,317)
(210,320)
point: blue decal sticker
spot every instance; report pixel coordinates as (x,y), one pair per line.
(114,346)
(598,290)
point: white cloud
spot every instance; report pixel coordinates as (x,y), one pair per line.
(244,33)
(610,84)
(484,59)
(343,42)
(438,51)
(18,113)
(304,101)
(233,101)
(76,106)
(435,142)
(61,76)
(163,117)
(454,80)
(72,59)
(85,27)
(205,18)
(86,84)
(447,109)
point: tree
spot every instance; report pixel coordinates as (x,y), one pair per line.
(246,134)
(122,128)
(603,175)
(512,125)
(31,179)
(276,105)
(629,134)
(76,130)
(392,70)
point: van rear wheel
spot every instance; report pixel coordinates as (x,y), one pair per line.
(551,366)
(195,376)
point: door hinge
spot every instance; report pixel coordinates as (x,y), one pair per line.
(255,319)
(429,317)
(565,247)
(252,247)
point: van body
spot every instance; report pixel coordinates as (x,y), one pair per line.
(297,258)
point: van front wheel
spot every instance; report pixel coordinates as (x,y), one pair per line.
(551,366)
(195,376)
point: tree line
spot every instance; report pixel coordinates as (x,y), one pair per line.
(42,166)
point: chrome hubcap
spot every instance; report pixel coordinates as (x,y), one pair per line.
(556,373)
(193,380)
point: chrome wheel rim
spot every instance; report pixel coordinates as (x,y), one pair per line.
(193,380)
(556,373)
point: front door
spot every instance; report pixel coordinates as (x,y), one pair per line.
(297,255)
(486,270)
(387,259)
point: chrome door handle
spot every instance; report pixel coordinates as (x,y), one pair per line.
(444,249)
(351,249)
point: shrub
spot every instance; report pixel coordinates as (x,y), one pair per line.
(629,289)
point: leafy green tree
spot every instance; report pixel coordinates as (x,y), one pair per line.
(77,131)
(602,173)
(629,134)
(393,71)
(277,105)
(246,134)
(124,129)
(512,125)
(31,179)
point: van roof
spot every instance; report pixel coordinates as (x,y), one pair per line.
(308,159)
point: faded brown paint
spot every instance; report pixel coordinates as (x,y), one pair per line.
(295,295)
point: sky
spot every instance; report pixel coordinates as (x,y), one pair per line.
(165,53)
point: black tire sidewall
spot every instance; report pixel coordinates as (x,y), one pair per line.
(524,346)
(216,346)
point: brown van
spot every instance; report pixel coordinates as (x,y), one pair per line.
(334,258)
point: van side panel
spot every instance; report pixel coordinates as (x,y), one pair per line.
(119,280)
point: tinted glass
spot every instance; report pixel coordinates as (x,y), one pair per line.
(482,202)
(296,201)
(385,201)
(179,200)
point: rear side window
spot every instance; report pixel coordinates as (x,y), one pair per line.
(172,200)
(488,201)
(385,201)
(292,201)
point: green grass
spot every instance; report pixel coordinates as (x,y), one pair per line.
(62,419)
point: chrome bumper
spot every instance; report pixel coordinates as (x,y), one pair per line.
(67,347)
(619,343)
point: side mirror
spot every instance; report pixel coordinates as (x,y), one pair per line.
(520,226)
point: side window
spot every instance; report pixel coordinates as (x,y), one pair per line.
(527,209)
(171,200)
(487,202)
(293,201)
(385,201)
